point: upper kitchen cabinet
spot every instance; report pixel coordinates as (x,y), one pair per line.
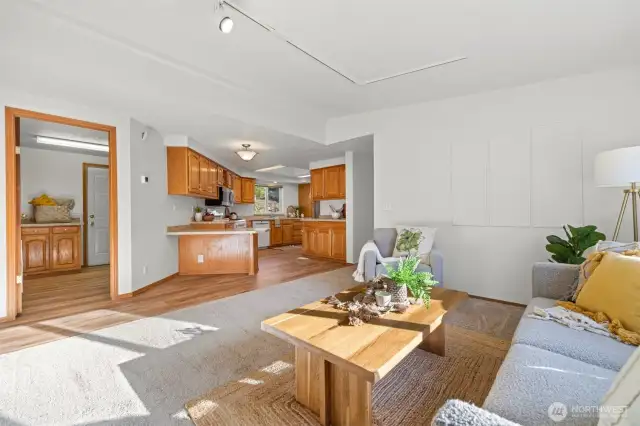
(237,189)
(248,190)
(328,183)
(228,179)
(192,174)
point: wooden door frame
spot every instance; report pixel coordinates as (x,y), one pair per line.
(13,205)
(85,219)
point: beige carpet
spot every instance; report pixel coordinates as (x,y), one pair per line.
(478,336)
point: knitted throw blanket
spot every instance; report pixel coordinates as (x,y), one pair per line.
(358,275)
(572,316)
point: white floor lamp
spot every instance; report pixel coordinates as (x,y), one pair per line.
(621,168)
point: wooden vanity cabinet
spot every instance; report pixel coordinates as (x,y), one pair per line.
(50,249)
(328,183)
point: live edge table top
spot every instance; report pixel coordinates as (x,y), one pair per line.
(370,350)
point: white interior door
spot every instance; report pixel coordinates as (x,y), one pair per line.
(97,216)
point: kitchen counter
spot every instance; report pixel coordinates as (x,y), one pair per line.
(44,225)
(189,230)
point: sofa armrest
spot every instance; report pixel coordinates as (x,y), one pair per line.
(370,260)
(436,260)
(460,413)
(553,280)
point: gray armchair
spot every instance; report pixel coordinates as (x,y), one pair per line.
(385,238)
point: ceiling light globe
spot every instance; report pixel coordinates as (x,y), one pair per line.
(226,25)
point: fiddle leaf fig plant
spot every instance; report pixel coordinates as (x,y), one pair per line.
(419,283)
(578,240)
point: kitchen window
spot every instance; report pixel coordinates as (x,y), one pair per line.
(268,200)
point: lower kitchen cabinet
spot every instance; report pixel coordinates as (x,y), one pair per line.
(324,239)
(50,249)
(276,234)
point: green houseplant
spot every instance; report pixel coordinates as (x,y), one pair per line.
(578,240)
(405,276)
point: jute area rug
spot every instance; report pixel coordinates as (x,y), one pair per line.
(478,337)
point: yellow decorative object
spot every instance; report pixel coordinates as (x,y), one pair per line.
(614,289)
(589,266)
(615,327)
(43,200)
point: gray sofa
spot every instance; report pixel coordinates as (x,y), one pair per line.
(547,363)
(385,238)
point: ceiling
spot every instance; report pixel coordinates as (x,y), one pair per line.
(30,128)
(165,63)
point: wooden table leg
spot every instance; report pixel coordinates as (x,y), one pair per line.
(338,397)
(435,341)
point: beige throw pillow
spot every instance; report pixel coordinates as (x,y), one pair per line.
(415,240)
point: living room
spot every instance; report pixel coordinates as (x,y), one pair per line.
(486,126)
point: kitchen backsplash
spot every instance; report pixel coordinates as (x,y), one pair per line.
(241,209)
(325,209)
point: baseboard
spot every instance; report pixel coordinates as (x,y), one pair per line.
(504,302)
(154,284)
(124,296)
(6,319)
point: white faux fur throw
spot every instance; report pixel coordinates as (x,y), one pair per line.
(358,275)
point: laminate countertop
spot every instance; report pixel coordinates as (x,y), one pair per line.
(46,225)
(188,230)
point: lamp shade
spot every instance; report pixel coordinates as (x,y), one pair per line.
(618,167)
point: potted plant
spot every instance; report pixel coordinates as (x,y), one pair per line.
(197,213)
(405,276)
(578,240)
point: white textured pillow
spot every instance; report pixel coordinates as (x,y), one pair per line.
(616,246)
(426,238)
(621,404)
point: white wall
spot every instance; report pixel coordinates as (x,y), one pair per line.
(153,210)
(498,171)
(56,173)
(326,163)
(360,210)
(13,98)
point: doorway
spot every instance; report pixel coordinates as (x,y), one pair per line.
(40,248)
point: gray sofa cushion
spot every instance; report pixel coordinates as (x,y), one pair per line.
(531,379)
(581,345)
(460,413)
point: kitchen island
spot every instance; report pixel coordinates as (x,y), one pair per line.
(216,251)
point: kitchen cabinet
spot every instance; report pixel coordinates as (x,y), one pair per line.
(287,233)
(304,199)
(237,189)
(326,239)
(228,179)
(207,176)
(328,183)
(248,190)
(212,173)
(50,249)
(297,232)
(220,175)
(191,174)
(194,172)
(317,184)
(275,234)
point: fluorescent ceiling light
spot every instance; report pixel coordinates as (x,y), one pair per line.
(304,176)
(245,153)
(266,169)
(72,144)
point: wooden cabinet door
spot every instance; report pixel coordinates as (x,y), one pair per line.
(65,251)
(193,165)
(287,233)
(332,183)
(276,235)
(309,241)
(339,243)
(304,199)
(207,183)
(323,242)
(35,251)
(212,173)
(237,189)
(248,190)
(342,182)
(220,175)
(317,184)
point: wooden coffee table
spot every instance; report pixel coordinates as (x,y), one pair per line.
(337,364)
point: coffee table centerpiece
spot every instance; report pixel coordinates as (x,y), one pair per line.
(389,293)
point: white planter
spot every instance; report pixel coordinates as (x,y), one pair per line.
(198,217)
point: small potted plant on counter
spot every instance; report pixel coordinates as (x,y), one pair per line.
(197,213)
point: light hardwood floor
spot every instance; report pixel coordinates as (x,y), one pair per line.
(66,305)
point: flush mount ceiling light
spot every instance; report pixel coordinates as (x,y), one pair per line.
(267,169)
(226,25)
(71,144)
(304,176)
(246,154)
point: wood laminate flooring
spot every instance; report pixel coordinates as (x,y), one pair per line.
(61,306)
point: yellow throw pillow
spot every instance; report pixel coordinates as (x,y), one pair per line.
(614,289)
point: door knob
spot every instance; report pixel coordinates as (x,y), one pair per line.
(92,219)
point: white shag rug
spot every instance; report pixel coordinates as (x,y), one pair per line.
(142,373)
